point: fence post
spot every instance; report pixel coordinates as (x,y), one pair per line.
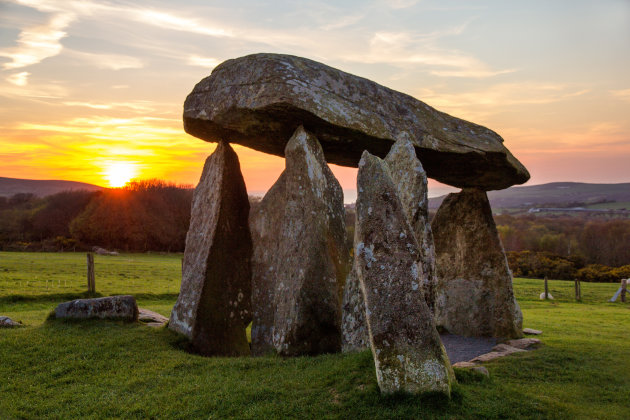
(90,273)
(578,290)
(546,289)
(624,286)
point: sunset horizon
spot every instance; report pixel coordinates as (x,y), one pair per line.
(91,86)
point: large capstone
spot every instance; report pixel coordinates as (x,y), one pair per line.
(214,304)
(300,258)
(406,346)
(411,182)
(474,292)
(121,307)
(259,100)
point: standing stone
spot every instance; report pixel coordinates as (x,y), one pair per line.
(406,346)
(300,258)
(474,293)
(214,305)
(354,333)
(411,182)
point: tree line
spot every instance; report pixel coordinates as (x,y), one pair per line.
(154,215)
(566,247)
(149,215)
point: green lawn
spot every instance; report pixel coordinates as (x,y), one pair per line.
(108,369)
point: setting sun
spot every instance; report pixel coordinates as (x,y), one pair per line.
(120,173)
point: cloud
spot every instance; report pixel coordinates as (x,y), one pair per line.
(141,106)
(32,91)
(19,79)
(139,130)
(503,94)
(343,22)
(36,43)
(171,21)
(623,94)
(107,61)
(401,4)
(410,50)
(208,62)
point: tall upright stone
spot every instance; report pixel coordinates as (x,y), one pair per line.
(474,292)
(214,304)
(411,182)
(406,346)
(300,258)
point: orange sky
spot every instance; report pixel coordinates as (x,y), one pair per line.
(86,86)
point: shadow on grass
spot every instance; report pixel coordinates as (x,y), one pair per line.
(62,297)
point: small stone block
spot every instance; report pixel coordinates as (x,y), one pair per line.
(524,343)
(6,322)
(531,331)
(506,348)
(464,365)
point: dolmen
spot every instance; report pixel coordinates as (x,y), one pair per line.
(285,266)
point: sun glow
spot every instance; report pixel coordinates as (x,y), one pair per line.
(120,173)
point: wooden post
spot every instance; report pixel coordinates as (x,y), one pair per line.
(580,289)
(624,286)
(546,289)
(90,273)
(578,292)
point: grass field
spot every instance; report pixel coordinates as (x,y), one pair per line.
(107,369)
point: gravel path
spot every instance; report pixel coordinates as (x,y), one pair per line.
(463,349)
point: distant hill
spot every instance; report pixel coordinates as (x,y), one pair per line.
(554,194)
(41,188)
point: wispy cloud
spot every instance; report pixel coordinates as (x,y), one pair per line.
(502,95)
(401,4)
(343,22)
(36,43)
(409,49)
(19,79)
(136,106)
(139,129)
(623,94)
(167,20)
(107,61)
(208,62)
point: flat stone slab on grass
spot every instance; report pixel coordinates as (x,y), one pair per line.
(524,343)
(259,100)
(531,331)
(6,322)
(462,349)
(122,308)
(150,318)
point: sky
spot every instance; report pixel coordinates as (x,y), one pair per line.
(92,90)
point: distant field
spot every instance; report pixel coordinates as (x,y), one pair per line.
(554,194)
(109,369)
(611,206)
(41,188)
